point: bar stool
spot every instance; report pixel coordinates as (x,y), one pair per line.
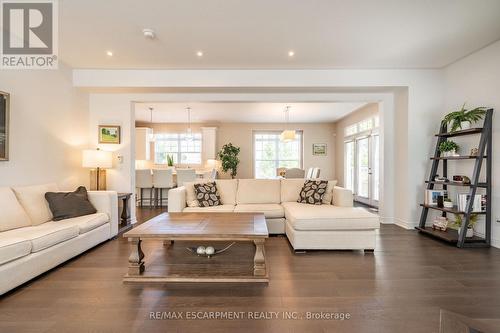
(185,176)
(144,181)
(162,179)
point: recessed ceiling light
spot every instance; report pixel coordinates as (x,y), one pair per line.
(149,33)
(199,54)
(291,53)
(109,53)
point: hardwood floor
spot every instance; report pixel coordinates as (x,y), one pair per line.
(399,288)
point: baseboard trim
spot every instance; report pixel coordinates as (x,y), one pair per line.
(494,242)
(405,224)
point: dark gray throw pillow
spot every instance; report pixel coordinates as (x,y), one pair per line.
(207,194)
(313,191)
(65,205)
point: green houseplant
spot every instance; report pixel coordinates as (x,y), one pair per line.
(228,156)
(448,148)
(170,160)
(463,118)
(470,227)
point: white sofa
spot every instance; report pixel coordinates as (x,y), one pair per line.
(335,225)
(31,244)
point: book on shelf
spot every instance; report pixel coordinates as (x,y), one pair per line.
(478,206)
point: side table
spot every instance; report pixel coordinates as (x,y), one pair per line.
(124,212)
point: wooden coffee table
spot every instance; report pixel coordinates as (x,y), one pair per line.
(229,227)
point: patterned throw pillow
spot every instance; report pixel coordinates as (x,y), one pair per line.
(313,191)
(207,194)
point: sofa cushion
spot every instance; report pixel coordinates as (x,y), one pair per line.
(328,217)
(12,248)
(269,210)
(218,209)
(87,223)
(44,235)
(12,214)
(227,190)
(207,194)
(32,198)
(328,197)
(256,191)
(313,192)
(290,189)
(226,187)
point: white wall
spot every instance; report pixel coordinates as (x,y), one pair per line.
(48,128)
(476,81)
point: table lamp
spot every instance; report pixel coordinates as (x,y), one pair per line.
(98,161)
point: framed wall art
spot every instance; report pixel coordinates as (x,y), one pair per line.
(109,134)
(319,149)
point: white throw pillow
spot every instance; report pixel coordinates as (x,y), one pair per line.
(191,200)
(32,198)
(12,214)
(328,197)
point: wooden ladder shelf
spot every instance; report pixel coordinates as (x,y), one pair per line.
(485,153)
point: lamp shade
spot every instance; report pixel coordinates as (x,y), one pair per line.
(287,135)
(212,164)
(94,158)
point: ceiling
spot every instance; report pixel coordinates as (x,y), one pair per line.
(244,112)
(243,34)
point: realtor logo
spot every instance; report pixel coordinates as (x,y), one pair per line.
(29,34)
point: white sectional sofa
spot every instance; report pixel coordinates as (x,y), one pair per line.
(333,225)
(31,244)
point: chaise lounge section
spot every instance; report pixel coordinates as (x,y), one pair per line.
(334,225)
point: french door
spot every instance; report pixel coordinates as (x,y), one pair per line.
(362,168)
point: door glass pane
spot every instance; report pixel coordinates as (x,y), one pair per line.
(349,165)
(363,164)
(375,167)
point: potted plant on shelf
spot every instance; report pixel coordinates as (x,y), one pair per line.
(170,160)
(463,118)
(470,227)
(229,159)
(448,148)
(447,203)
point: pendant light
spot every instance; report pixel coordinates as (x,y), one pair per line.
(151,136)
(287,135)
(189,132)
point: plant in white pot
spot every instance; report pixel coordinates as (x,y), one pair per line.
(463,118)
(470,227)
(447,203)
(448,148)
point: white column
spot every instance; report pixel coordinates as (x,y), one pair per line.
(209,143)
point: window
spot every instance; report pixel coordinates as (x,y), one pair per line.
(184,151)
(362,126)
(271,153)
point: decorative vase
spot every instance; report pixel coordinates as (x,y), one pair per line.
(469,233)
(465,125)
